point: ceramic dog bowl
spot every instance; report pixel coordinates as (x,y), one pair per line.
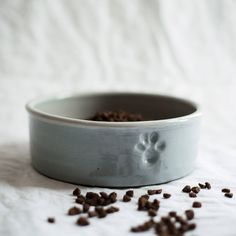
(66,146)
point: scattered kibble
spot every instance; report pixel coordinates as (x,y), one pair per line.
(92,214)
(126,198)
(130,193)
(202,186)
(82,221)
(189,214)
(172,224)
(186,189)
(225,190)
(74,211)
(112,209)
(229,195)
(208,185)
(76,192)
(195,189)
(192,194)
(152,212)
(86,207)
(51,220)
(154,191)
(172,213)
(144,227)
(166,195)
(197,204)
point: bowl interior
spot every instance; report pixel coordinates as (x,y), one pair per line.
(152,107)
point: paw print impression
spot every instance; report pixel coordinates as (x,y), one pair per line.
(150,147)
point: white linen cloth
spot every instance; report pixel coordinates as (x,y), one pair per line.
(183,48)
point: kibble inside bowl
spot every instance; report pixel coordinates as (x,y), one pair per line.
(67,144)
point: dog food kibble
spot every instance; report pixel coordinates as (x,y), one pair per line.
(80,199)
(189,214)
(229,195)
(195,189)
(197,204)
(192,194)
(186,189)
(104,195)
(152,212)
(92,214)
(144,227)
(116,116)
(208,185)
(191,226)
(74,211)
(86,207)
(154,191)
(172,213)
(202,186)
(126,198)
(112,209)
(166,195)
(225,190)
(130,193)
(82,221)
(101,212)
(51,220)
(76,192)
(113,197)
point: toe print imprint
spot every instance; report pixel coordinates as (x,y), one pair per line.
(150,147)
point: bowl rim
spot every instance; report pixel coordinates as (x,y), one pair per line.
(30,107)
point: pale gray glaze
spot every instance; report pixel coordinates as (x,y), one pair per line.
(113,154)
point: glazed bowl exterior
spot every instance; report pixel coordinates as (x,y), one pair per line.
(66,146)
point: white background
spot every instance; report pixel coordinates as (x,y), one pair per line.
(183,48)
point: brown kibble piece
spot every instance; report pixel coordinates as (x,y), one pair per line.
(92,214)
(101,212)
(82,221)
(80,199)
(112,209)
(186,189)
(76,192)
(166,195)
(144,227)
(74,211)
(208,185)
(172,213)
(154,191)
(189,214)
(145,196)
(229,195)
(113,197)
(191,226)
(104,195)
(195,189)
(192,194)
(202,186)
(86,207)
(126,198)
(130,193)
(152,212)
(51,220)
(197,204)
(225,190)
(151,192)
(142,203)
(91,195)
